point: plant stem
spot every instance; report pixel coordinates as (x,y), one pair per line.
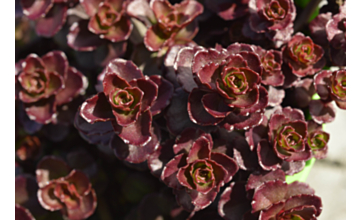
(305,15)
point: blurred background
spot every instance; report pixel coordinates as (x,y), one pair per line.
(328,176)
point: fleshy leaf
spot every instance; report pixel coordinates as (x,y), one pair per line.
(171,169)
(227,163)
(267,157)
(34,9)
(50,168)
(125,69)
(267,194)
(81,39)
(96,109)
(200,149)
(87,207)
(233,202)
(75,84)
(22,214)
(141,10)
(196,110)
(133,153)
(137,133)
(56,61)
(322,112)
(49,25)
(42,111)
(154,38)
(256,180)
(183,65)
(165,92)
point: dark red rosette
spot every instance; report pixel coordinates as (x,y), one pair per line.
(167,24)
(272,18)
(45,83)
(336,35)
(271,61)
(317,140)
(273,198)
(303,56)
(224,85)
(258,143)
(127,103)
(228,9)
(49,15)
(61,188)
(329,31)
(104,24)
(196,173)
(288,135)
(331,85)
(108,19)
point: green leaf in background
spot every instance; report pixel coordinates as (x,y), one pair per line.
(303,3)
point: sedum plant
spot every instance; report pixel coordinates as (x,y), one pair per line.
(174,109)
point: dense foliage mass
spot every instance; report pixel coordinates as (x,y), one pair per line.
(170,109)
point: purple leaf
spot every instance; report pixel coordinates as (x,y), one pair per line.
(81,39)
(165,92)
(267,194)
(75,84)
(34,9)
(322,112)
(134,153)
(96,109)
(49,25)
(50,168)
(196,110)
(137,133)
(170,171)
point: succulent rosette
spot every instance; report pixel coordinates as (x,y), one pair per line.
(288,133)
(271,198)
(45,83)
(275,199)
(196,173)
(317,140)
(331,85)
(127,103)
(303,56)
(49,15)
(61,188)
(166,24)
(271,61)
(108,19)
(281,141)
(336,35)
(274,18)
(225,85)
